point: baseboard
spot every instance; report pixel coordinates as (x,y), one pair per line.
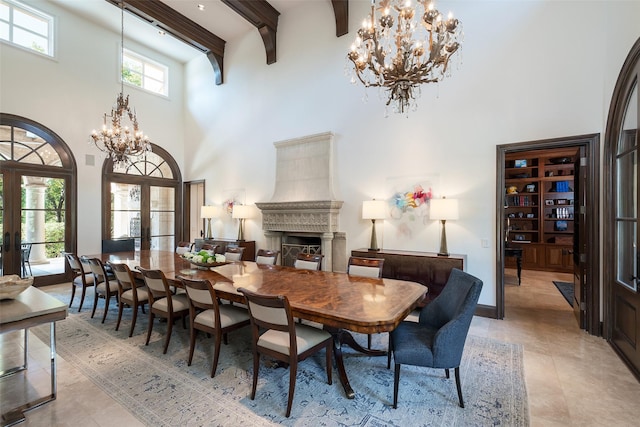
(490,311)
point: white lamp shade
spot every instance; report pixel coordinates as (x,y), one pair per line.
(241,211)
(443,209)
(374,209)
(208,211)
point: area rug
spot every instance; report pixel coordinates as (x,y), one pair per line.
(161,390)
(566,289)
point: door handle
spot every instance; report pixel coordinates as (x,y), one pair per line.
(7,241)
(17,241)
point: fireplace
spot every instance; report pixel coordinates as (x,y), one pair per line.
(304,207)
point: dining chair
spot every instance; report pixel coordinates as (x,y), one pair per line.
(305,261)
(110,246)
(365,267)
(130,292)
(163,303)
(437,339)
(209,247)
(25,254)
(267,257)
(208,314)
(233,253)
(105,286)
(183,247)
(82,277)
(275,334)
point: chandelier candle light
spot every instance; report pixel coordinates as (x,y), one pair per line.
(118,140)
(400,59)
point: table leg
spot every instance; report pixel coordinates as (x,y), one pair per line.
(340,336)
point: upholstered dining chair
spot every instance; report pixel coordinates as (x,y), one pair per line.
(82,277)
(306,261)
(183,247)
(110,246)
(268,257)
(276,335)
(163,303)
(437,339)
(365,267)
(105,286)
(130,292)
(208,314)
(209,247)
(233,253)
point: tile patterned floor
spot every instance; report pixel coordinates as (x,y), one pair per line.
(573,379)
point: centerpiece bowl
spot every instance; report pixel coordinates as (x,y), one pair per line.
(11,286)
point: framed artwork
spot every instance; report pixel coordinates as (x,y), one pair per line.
(232,197)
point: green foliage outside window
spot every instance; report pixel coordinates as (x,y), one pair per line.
(131,77)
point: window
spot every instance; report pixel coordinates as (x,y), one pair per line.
(144,73)
(26,27)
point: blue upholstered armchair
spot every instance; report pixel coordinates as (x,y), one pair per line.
(437,340)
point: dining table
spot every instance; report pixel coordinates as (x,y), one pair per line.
(340,302)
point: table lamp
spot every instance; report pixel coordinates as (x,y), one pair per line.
(241,212)
(374,209)
(443,209)
(208,212)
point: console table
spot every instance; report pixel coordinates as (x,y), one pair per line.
(31,308)
(426,268)
(249,246)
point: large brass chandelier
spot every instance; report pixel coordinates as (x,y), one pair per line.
(120,137)
(400,47)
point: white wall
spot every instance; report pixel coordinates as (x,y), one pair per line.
(531,70)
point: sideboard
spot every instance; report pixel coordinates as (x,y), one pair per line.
(426,268)
(249,246)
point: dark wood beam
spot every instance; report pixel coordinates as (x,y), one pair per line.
(179,26)
(264,17)
(341,11)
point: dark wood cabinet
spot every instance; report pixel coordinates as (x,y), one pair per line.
(426,268)
(249,246)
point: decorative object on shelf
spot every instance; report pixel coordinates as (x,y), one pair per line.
(548,202)
(512,189)
(12,285)
(531,188)
(241,212)
(208,212)
(118,140)
(400,47)
(561,225)
(373,210)
(520,163)
(443,210)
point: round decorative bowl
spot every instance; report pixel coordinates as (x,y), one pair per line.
(11,286)
(206,265)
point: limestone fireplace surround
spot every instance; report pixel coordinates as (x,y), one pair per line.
(304,203)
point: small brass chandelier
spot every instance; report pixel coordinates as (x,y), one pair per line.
(119,140)
(400,59)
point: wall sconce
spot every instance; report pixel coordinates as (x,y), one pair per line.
(443,209)
(208,212)
(241,212)
(374,209)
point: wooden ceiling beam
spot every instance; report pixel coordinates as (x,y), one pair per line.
(264,17)
(179,26)
(341,12)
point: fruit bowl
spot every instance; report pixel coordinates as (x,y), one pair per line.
(207,265)
(11,286)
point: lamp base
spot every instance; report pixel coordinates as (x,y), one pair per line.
(374,249)
(443,254)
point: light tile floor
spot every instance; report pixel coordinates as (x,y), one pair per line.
(573,379)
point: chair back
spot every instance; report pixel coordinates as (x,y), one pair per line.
(156,283)
(269,311)
(183,247)
(201,293)
(234,253)
(365,267)
(306,261)
(74,263)
(124,277)
(118,245)
(26,250)
(267,257)
(99,273)
(209,247)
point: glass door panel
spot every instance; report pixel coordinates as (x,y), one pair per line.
(126,216)
(162,218)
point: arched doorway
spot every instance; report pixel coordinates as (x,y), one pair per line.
(37,200)
(621,206)
(143,200)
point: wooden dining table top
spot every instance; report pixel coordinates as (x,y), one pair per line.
(338,300)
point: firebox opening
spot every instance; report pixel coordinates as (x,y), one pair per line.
(292,245)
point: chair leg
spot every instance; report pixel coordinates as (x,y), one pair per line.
(168,337)
(133,321)
(329,350)
(216,354)
(192,342)
(107,298)
(120,308)
(73,293)
(293,371)
(95,303)
(369,341)
(389,351)
(84,292)
(396,381)
(256,368)
(150,327)
(459,386)
(446,373)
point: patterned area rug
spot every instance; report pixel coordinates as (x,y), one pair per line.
(566,289)
(161,390)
